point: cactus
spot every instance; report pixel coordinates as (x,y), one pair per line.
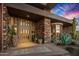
(74,28)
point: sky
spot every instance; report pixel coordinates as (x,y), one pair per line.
(67,10)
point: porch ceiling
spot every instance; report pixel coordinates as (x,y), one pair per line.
(23,14)
(38,11)
(33,17)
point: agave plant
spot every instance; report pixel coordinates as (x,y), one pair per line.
(65,38)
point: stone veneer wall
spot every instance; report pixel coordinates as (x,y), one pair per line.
(0,27)
(40,27)
(43,28)
(67,29)
(47,30)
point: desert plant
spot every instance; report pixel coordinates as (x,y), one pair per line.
(10,32)
(74,28)
(65,38)
(55,39)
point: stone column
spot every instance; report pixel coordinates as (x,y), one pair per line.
(40,29)
(0,27)
(4,26)
(47,30)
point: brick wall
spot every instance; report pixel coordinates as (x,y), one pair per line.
(0,27)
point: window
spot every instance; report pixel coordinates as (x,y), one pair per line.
(57,28)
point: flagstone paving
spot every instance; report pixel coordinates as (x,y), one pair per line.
(39,50)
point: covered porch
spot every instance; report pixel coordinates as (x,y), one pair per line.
(32,24)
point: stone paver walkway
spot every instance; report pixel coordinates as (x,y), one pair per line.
(25,43)
(39,50)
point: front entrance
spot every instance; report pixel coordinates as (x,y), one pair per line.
(25,31)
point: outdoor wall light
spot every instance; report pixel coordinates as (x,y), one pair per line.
(27,16)
(4,7)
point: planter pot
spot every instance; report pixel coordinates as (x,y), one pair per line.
(14,40)
(40,41)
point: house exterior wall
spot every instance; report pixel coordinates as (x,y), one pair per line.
(67,29)
(43,28)
(47,30)
(40,28)
(4,27)
(0,27)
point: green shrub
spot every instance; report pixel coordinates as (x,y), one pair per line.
(65,38)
